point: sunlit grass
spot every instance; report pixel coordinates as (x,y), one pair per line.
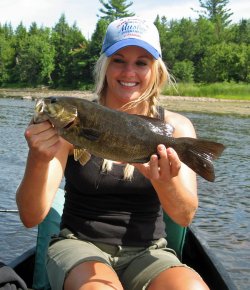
(233,91)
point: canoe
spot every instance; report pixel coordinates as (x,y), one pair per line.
(190,247)
(195,254)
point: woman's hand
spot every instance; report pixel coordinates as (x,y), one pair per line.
(43,140)
(174,183)
(161,168)
(46,161)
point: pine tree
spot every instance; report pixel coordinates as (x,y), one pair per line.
(114,9)
(218,14)
(215,10)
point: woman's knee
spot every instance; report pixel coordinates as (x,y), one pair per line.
(178,278)
(92,276)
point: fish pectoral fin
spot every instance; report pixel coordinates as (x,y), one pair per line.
(90,134)
(81,155)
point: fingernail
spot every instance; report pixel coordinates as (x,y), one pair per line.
(161,147)
(169,150)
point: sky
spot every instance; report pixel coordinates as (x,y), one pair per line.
(84,12)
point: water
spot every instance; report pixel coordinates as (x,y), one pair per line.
(224,209)
(14,117)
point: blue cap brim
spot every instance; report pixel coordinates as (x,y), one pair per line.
(132,42)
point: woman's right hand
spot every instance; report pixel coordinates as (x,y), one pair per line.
(46,161)
(43,141)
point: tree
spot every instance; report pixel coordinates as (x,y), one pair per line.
(226,62)
(182,43)
(65,40)
(7,31)
(114,9)
(216,12)
(7,53)
(36,60)
(163,28)
(170,43)
(7,57)
(240,33)
(183,71)
(95,45)
(86,55)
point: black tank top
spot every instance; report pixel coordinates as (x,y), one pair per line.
(103,207)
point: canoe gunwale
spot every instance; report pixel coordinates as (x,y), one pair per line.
(209,267)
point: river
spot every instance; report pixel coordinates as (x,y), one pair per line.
(224,209)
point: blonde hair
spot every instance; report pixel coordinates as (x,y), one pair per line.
(159,78)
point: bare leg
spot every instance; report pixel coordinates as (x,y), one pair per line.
(178,278)
(92,276)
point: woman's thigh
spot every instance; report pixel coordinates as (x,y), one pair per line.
(178,278)
(92,275)
(67,254)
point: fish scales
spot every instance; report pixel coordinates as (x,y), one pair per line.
(112,135)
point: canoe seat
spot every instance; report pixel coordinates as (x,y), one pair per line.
(51,224)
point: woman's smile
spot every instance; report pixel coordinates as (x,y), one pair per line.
(130,84)
(128,76)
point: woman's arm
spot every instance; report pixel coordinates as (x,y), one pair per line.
(44,170)
(174,182)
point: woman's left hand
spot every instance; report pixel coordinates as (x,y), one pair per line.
(163,167)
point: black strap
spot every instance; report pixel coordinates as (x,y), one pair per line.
(161,113)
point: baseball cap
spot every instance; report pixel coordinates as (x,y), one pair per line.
(132,31)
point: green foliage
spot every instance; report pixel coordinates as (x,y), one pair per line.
(240,33)
(226,62)
(184,70)
(216,11)
(206,50)
(218,14)
(66,39)
(94,48)
(114,9)
(7,56)
(35,62)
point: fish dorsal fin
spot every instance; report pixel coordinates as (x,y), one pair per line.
(158,126)
(81,155)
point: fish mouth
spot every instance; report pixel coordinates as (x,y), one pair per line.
(70,124)
(39,115)
(39,108)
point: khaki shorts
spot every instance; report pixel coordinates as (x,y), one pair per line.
(135,266)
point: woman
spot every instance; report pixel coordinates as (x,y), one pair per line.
(112,230)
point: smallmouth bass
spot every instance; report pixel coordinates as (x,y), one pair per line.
(119,136)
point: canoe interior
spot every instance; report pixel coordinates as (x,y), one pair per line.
(196,254)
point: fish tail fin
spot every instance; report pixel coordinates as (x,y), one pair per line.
(198,154)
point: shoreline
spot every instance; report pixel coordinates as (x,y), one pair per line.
(207,105)
(172,103)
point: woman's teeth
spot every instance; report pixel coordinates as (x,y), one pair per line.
(128,84)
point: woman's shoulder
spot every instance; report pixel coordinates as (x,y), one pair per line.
(182,124)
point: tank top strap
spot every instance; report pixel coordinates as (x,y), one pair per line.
(161,113)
